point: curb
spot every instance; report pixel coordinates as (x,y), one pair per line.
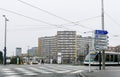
(82,75)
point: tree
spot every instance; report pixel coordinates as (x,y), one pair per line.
(1,57)
(14,60)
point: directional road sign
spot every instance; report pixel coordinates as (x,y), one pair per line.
(102,32)
(101,40)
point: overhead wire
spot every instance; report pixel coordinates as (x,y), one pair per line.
(112,19)
(88,19)
(52,14)
(29,17)
(44,11)
(83,20)
(58,26)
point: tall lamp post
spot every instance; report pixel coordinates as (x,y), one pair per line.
(5,49)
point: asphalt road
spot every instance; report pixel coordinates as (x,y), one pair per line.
(106,73)
(46,70)
(56,70)
(111,71)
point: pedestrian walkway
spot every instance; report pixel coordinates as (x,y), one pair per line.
(101,73)
(32,70)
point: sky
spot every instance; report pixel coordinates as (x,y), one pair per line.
(31,19)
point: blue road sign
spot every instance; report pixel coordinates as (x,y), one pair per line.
(104,32)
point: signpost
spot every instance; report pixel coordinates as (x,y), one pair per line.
(101,42)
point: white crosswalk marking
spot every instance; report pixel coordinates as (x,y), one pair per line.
(8,72)
(14,76)
(57,68)
(68,69)
(54,70)
(39,70)
(33,70)
(77,71)
(26,72)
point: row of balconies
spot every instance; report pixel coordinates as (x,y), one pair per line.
(66,48)
(66,32)
(66,41)
(66,38)
(66,51)
(66,44)
(63,46)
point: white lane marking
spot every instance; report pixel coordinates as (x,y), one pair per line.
(53,70)
(56,68)
(78,71)
(39,70)
(26,72)
(7,71)
(12,73)
(67,67)
(13,76)
(70,68)
(61,69)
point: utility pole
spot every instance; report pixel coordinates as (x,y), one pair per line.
(49,50)
(5,49)
(102,19)
(28,54)
(99,60)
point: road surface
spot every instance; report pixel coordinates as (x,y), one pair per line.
(46,70)
(111,71)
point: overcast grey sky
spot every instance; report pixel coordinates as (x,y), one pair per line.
(23,31)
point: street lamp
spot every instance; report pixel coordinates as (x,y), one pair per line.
(5,49)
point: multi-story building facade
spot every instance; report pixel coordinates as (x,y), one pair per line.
(114,49)
(66,45)
(33,51)
(47,47)
(84,45)
(71,46)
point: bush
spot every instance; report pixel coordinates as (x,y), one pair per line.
(14,60)
(1,57)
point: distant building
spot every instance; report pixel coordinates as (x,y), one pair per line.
(47,47)
(117,48)
(67,45)
(111,49)
(72,47)
(114,49)
(33,51)
(82,46)
(24,55)
(18,51)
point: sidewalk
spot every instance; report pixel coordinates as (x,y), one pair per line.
(101,73)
